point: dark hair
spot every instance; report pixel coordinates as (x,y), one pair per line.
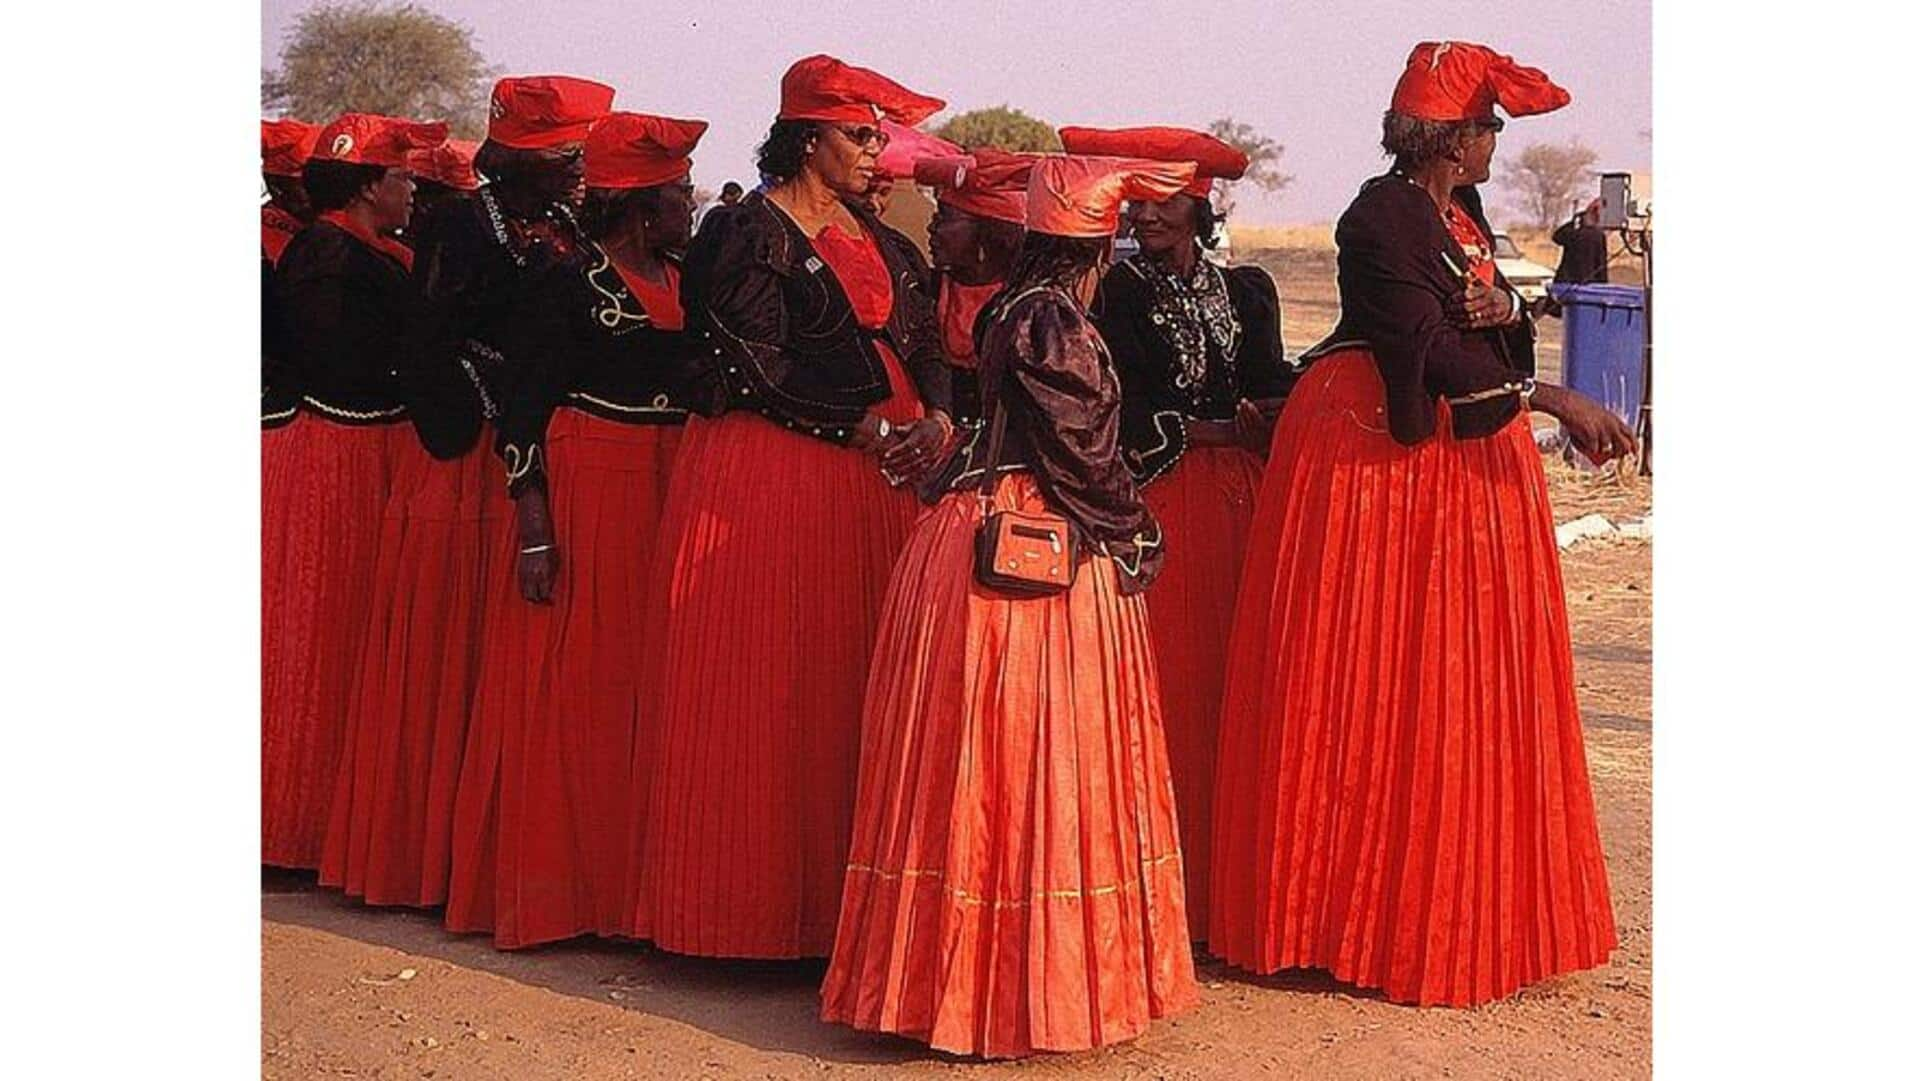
(1002,239)
(1048,260)
(1206,222)
(331,185)
(731,187)
(606,209)
(289,193)
(785,148)
(1413,142)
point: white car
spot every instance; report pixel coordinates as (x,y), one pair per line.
(1529,278)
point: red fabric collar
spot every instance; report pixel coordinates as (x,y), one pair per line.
(960,306)
(661,301)
(385,245)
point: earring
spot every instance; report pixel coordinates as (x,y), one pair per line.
(979,252)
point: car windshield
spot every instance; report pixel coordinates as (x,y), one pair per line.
(1504,247)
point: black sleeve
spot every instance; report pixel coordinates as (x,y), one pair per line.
(1153,433)
(452,269)
(1564,235)
(1392,282)
(1261,366)
(545,356)
(732,291)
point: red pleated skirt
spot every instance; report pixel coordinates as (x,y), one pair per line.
(393,799)
(323,490)
(1014,881)
(773,562)
(542,818)
(1205,506)
(1403,797)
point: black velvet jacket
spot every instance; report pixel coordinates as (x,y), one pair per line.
(1236,336)
(601,354)
(1394,283)
(478,273)
(789,344)
(338,315)
(1042,360)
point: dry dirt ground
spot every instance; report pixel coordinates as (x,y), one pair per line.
(352,992)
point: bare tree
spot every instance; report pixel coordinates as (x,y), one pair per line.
(1263,160)
(370,57)
(1547,178)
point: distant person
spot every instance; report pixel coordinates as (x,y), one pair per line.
(730,195)
(1401,792)
(1583,248)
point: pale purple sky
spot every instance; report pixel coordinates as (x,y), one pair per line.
(1314,76)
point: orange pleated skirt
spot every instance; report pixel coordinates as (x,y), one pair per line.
(1014,881)
(1403,797)
(541,817)
(1205,506)
(323,490)
(393,798)
(773,560)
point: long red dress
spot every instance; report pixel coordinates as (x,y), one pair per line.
(773,558)
(1014,883)
(339,294)
(542,820)
(1191,347)
(392,812)
(1403,797)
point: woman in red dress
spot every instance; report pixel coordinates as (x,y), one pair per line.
(1403,797)
(504,295)
(1201,369)
(341,302)
(978,223)
(779,532)
(387,839)
(597,417)
(1014,883)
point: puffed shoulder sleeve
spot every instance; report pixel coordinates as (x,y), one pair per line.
(1261,366)
(1059,387)
(733,292)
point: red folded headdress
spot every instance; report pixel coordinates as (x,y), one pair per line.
(634,150)
(1458,80)
(285,145)
(1211,157)
(450,163)
(1070,195)
(822,88)
(988,183)
(540,112)
(906,146)
(371,139)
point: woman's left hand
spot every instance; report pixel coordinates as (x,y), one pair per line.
(1481,306)
(918,449)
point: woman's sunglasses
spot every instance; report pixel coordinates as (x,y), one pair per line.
(865,136)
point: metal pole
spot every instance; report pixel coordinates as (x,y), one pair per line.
(1646,362)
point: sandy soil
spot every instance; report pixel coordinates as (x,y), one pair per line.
(351,992)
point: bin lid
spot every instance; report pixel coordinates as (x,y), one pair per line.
(1601,295)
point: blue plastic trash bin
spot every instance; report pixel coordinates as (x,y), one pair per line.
(1602,348)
